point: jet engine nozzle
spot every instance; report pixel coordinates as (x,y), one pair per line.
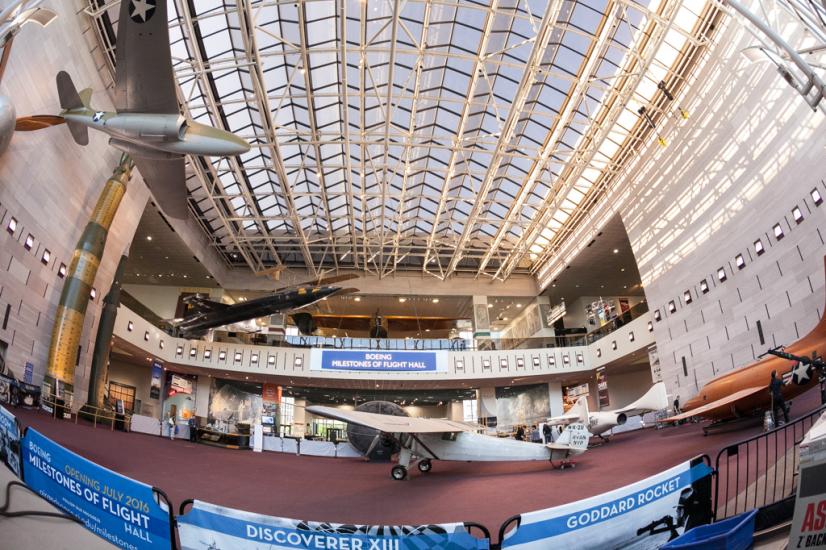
(621,418)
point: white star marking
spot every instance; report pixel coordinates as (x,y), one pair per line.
(141,8)
(800,373)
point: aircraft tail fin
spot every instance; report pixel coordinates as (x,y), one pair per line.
(575,436)
(581,409)
(70,99)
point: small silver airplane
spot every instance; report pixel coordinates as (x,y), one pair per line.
(422,440)
(147,124)
(655,399)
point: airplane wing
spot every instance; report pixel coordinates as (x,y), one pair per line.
(144,82)
(720,403)
(203,304)
(391,424)
(322,281)
(166,180)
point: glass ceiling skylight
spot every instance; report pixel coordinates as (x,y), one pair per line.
(439,136)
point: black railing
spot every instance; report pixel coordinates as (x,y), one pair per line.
(762,470)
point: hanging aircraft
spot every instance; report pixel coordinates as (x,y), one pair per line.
(147,123)
(210,314)
(655,399)
(744,392)
(425,439)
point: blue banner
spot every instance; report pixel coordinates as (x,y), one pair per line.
(116,508)
(378,361)
(10,441)
(218,527)
(643,515)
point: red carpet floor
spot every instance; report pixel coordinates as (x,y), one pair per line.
(352,491)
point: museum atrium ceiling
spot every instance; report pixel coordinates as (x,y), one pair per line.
(438,136)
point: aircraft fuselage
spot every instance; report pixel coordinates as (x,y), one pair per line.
(159,135)
(259,307)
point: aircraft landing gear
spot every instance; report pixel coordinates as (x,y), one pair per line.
(425,466)
(398,473)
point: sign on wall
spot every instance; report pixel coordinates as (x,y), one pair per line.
(116,508)
(10,441)
(155,384)
(602,387)
(229,528)
(378,361)
(643,515)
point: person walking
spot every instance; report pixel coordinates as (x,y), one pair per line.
(193,429)
(775,387)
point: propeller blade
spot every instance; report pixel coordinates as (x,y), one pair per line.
(37,122)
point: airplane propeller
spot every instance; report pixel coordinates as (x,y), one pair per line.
(37,122)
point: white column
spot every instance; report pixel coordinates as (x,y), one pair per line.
(487,402)
(299,418)
(202,396)
(555,397)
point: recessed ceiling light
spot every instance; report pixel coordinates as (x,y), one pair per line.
(149,237)
(518,305)
(490,305)
(622,269)
(402,299)
(616,250)
(357,298)
(435,300)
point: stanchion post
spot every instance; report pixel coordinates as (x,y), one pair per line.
(173,542)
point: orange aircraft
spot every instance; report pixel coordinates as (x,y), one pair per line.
(745,391)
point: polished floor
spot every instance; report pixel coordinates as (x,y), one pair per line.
(353,491)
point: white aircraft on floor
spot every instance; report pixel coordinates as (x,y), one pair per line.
(655,399)
(424,439)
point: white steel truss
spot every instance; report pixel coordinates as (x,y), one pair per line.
(442,136)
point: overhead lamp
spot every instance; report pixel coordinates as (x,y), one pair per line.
(146,336)
(687,297)
(149,237)
(672,307)
(816,197)
(161,344)
(650,326)
(703,286)
(599,352)
(631,336)
(518,305)
(93,293)
(129,326)
(208,354)
(45,257)
(61,271)
(490,305)
(29,242)
(739,261)
(192,352)
(402,299)
(271,360)
(222,355)
(435,300)
(552,360)
(580,358)
(11,227)
(357,298)
(616,251)
(179,350)
(566,360)
(721,274)
(797,214)
(254,358)
(238,356)
(657,315)
(613,344)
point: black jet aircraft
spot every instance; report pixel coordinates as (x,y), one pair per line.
(208,314)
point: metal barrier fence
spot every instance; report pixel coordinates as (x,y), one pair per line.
(762,470)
